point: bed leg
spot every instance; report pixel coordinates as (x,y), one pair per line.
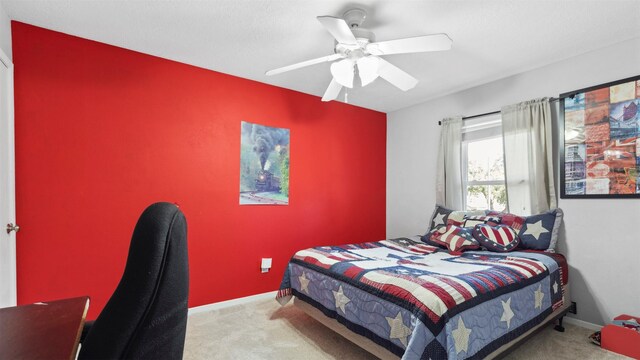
(559,327)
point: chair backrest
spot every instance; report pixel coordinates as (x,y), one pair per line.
(146,317)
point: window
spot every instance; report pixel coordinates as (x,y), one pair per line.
(483,165)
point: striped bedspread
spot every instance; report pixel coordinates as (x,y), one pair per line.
(421,302)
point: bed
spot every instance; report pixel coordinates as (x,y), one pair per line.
(403,298)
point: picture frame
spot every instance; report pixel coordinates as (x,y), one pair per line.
(599,141)
(264,164)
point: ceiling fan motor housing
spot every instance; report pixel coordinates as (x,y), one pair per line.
(354,18)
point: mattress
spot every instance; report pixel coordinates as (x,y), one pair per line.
(420,302)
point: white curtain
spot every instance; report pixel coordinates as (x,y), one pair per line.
(449,173)
(528,160)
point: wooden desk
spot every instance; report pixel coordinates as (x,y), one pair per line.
(42,330)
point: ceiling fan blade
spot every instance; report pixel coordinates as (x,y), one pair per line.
(303,64)
(343,72)
(338,29)
(368,69)
(395,76)
(436,42)
(332,91)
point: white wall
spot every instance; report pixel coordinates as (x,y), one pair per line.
(5,33)
(601,237)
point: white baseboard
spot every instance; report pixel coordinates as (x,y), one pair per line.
(233,302)
(581,323)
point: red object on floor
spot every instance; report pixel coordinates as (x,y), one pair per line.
(622,340)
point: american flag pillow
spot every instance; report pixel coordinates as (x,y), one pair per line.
(513,221)
(473,220)
(457,217)
(455,238)
(501,238)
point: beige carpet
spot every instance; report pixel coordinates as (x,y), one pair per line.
(265,330)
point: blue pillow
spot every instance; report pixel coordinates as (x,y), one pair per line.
(439,218)
(442,217)
(540,232)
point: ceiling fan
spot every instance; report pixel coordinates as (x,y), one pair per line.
(356,49)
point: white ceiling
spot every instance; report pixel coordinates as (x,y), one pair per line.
(492,39)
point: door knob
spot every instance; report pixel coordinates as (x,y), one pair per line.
(11,227)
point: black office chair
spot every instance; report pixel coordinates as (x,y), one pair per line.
(146,317)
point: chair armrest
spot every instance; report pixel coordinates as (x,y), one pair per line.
(86,329)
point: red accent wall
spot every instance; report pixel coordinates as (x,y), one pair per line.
(102,132)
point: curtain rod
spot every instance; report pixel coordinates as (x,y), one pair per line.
(493,112)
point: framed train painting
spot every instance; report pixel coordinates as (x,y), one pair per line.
(264,165)
(600,141)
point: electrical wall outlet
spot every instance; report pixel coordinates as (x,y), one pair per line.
(265,265)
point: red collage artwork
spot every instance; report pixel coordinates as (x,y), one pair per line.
(602,151)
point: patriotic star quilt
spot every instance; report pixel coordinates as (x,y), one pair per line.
(421,302)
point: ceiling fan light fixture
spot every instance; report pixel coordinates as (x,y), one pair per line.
(368,69)
(343,72)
